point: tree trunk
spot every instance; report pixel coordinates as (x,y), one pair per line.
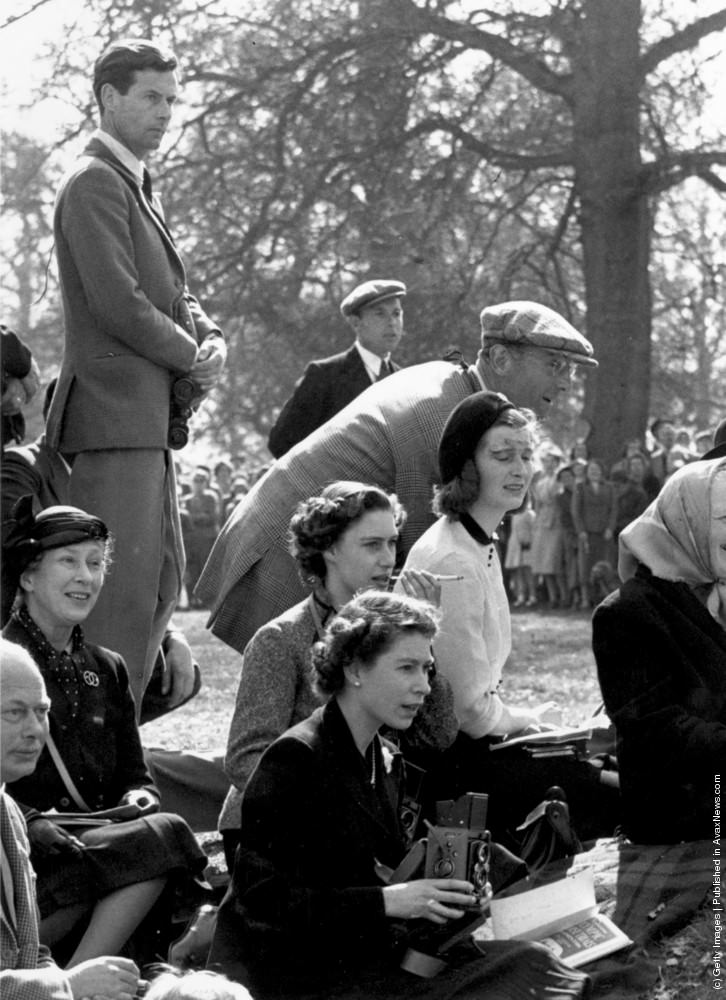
(615,222)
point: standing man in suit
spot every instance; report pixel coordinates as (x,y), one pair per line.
(375,313)
(131,328)
(388,436)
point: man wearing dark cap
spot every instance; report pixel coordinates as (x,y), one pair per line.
(374,311)
(388,436)
(131,328)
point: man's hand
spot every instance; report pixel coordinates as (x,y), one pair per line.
(178,676)
(110,977)
(47,838)
(31,382)
(209,363)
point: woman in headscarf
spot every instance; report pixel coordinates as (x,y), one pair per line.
(660,647)
(93,759)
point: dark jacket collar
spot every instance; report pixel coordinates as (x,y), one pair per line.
(380,803)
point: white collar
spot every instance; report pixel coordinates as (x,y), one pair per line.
(122,153)
(370,360)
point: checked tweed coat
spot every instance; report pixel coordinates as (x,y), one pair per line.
(387,436)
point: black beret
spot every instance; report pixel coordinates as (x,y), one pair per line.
(464,429)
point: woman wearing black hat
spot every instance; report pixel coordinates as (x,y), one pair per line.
(93,758)
(485,463)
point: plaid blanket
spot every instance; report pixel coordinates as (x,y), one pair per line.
(649,891)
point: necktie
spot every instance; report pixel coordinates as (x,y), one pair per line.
(384,370)
(146,185)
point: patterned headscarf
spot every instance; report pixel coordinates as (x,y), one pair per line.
(672,537)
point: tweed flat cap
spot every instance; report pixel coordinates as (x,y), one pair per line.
(534,325)
(369,292)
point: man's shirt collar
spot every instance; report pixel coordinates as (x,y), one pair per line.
(122,153)
(370,360)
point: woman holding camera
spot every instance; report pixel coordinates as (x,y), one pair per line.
(110,875)
(343,541)
(307,914)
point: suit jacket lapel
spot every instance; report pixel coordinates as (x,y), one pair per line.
(356,371)
(96,148)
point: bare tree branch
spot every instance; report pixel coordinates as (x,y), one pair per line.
(713,180)
(681,41)
(499,157)
(672,169)
(527,64)
(14,18)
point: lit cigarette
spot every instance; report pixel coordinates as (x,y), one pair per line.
(439,577)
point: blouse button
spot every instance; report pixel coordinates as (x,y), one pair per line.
(65,802)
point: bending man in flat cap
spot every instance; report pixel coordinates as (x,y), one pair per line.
(375,313)
(388,436)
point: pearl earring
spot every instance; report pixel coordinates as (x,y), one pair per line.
(356,684)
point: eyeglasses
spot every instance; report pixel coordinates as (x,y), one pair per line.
(561,366)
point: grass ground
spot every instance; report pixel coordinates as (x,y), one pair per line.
(551,660)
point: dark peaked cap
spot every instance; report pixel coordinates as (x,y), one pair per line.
(369,292)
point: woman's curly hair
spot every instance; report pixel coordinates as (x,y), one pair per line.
(319,521)
(363,629)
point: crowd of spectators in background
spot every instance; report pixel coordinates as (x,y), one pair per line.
(207,496)
(560,548)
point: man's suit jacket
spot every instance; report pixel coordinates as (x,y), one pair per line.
(387,436)
(27,970)
(130,323)
(325,388)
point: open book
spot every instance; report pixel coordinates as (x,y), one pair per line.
(562,915)
(549,737)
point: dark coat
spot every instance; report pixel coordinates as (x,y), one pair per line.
(304,915)
(16,363)
(100,747)
(661,660)
(30,470)
(326,386)
(305,902)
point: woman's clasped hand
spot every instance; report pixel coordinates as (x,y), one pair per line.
(438,900)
